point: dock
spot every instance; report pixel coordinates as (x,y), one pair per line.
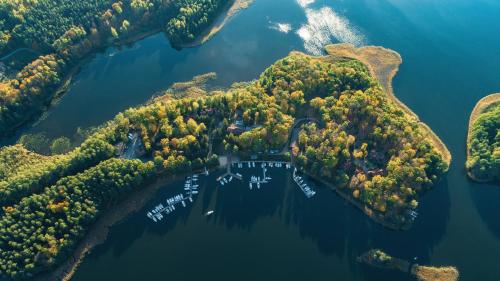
(257,181)
(191,186)
(303,185)
(228,176)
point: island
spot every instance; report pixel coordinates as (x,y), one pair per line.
(379,259)
(328,115)
(44,43)
(483,140)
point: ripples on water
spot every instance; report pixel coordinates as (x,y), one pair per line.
(281,27)
(305,3)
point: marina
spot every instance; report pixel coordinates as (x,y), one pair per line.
(191,186)
(257,181)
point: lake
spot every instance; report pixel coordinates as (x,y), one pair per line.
(451,60)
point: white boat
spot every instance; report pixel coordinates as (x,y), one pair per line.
(222,182)
(183,204)
(258,185)
(225,180)
(231,178)
(209,213)
(250,185)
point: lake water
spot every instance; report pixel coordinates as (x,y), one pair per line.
(451,60)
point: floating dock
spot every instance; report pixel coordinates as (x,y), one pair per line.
(303,185)
(190,190)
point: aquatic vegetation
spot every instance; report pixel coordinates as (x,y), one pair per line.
(430,273)
(483,142)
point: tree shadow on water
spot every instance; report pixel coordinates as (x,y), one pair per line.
(340,229)
(239,207)
(486,197)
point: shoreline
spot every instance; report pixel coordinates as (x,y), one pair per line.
(479,108)
(99,230)
(66,82)
(370,213)
(384,64)
(219,23)
(60,90)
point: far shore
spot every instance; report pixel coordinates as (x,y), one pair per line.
(219,23)
(384,65)
(481,105)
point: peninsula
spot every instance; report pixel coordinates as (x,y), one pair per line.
(329,115)
(483,140)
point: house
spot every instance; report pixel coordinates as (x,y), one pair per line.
(235,129)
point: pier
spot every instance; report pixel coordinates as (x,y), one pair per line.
(303,186)
(190,190)
(257,181)
(228,176)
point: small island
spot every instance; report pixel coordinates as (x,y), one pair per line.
(329,116)
(44,43)
(379,259)
(483,140)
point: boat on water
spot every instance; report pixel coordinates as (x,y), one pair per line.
(209,213)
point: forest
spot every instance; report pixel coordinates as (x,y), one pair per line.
(65,31)
(484,145)
(361,142)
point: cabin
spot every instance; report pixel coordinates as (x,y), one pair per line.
(235,129)
(376,172)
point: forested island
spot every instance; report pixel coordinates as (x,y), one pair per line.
(349,133)
(62,33)
(483,141)
(379,259)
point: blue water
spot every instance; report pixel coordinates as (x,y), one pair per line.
(451,60)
